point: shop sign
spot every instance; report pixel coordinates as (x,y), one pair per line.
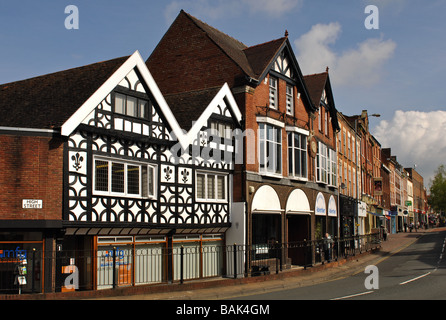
(332,212)
(362,209)
(15,254)
(320,209)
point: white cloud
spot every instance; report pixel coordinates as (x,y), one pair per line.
(416,137)
(217,9)
(274,8)
(359,66)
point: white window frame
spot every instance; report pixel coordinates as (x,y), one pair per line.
(275,143)
(273,101)
(322,163)
(221,129)
(140,113)
(150,187)
(332,181)
(290,100)
(326,164)
(207,175)
(303,154)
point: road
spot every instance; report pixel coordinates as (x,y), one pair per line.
(417,273)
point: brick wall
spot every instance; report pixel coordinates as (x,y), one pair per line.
(185,43)
(30,168)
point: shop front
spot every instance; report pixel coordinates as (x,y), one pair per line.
(21,262)
(348,211)
(266,217)
(298,215)
(139,260)
(362,218)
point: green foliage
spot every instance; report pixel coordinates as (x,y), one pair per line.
(438,190)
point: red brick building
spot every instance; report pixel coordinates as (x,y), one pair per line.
(288,176)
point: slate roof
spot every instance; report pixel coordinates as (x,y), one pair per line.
(252,62)
(47,101)
(316,83)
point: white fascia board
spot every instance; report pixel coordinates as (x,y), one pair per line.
(202,120)
(93,101)
(298,130)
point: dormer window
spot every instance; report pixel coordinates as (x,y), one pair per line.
(221,129)
(131,106)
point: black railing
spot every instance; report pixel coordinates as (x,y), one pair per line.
(76,270)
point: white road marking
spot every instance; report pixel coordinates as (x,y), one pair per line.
(353,295)
(422,276)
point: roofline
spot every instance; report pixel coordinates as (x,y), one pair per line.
(225,91)
(29,130)
(134,61)
(194,20)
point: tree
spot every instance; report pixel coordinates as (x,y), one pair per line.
(438,190)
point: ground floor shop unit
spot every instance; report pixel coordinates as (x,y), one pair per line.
(288,217)
(68,259)
(26,248)
(113,258)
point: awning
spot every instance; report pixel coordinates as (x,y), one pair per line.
(375,213)
(297,203)
(266,201)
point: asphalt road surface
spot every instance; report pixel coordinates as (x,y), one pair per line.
(416,273)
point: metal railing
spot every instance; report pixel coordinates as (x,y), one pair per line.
(115,267)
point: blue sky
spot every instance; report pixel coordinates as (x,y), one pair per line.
(395,71)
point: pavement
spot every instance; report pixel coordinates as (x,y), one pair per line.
(288,279)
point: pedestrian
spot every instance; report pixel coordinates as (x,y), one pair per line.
(384,233)
(328,243)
